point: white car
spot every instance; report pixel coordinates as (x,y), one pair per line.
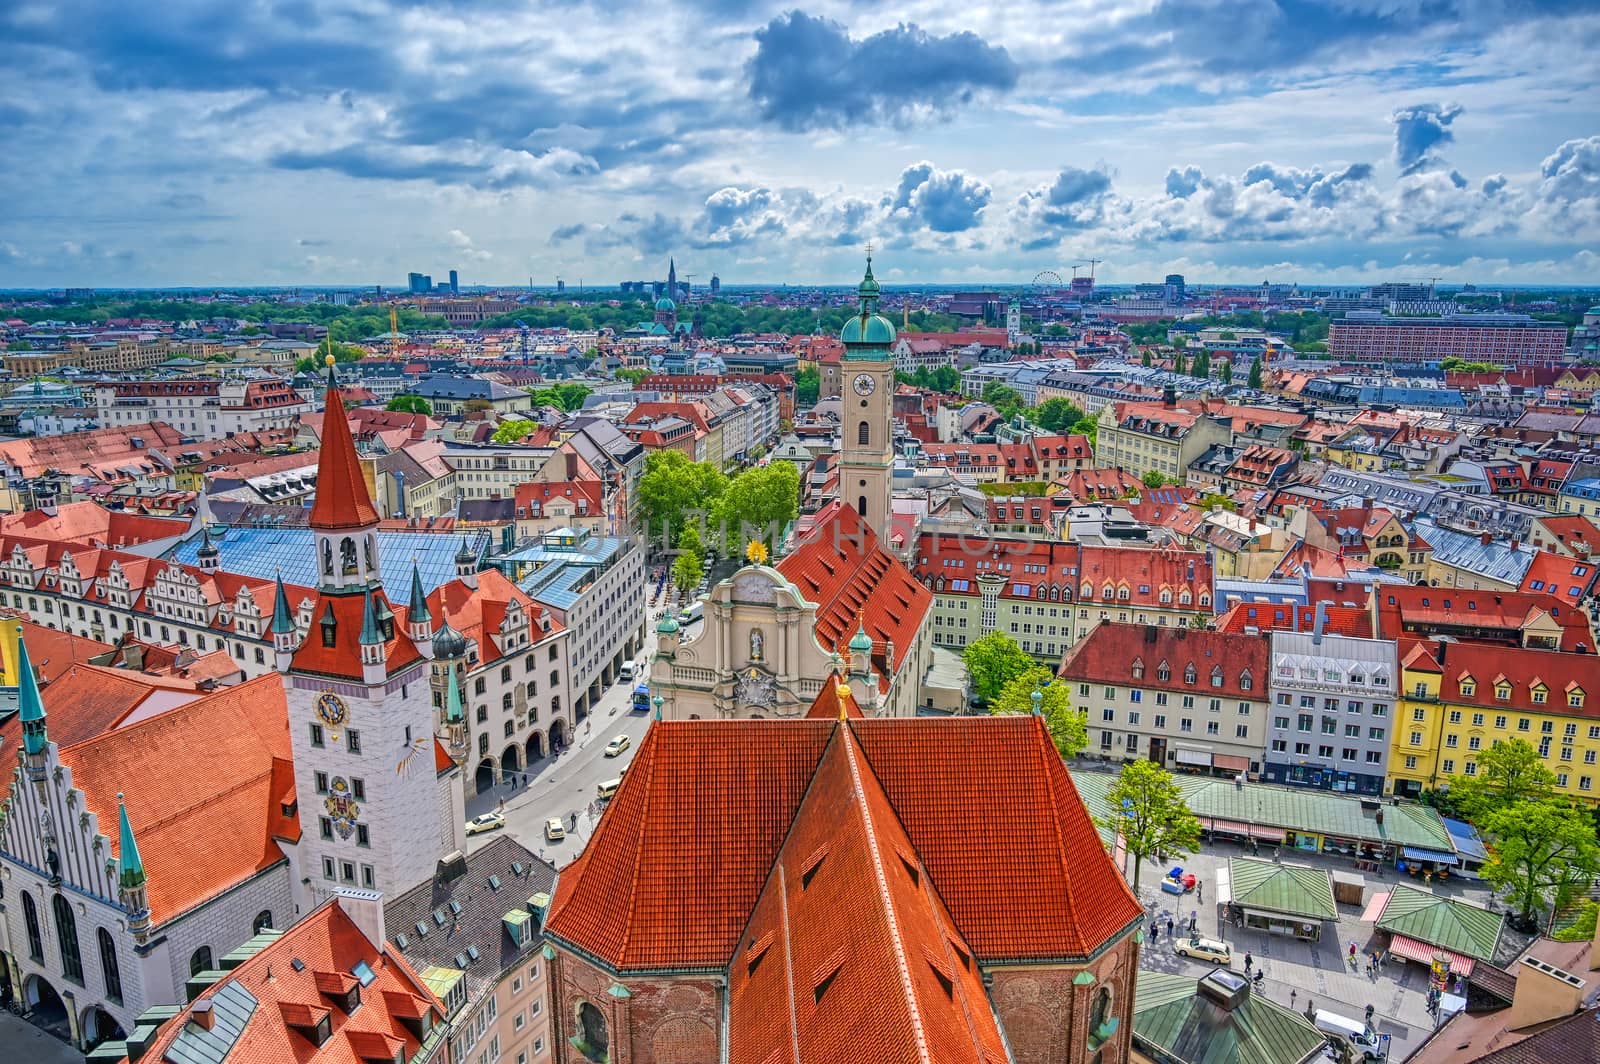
(487,822)
(554,830)
(1205,949)
(616,746)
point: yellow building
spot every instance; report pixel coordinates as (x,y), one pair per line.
(1459,699)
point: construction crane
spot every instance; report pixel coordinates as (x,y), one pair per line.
(1075,268)
(1092,264)
(394,328)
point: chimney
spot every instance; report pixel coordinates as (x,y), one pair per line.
(1485,538)
(1543,993)
(1319,623)
(365,910)
(202,1016)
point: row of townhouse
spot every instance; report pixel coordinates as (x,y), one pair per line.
(203,407)
(1048,594)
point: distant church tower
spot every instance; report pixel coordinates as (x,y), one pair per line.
(867,419)
(376,810)
(1014,322)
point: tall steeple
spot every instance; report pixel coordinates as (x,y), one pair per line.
(867,431)
(419,622)
(285,634)
(343,519)
(672,279)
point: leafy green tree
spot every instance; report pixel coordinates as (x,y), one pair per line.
(1067,729)
(1053,415)
(807,386)
(20,345)
(1088,427)
(759,504)
(1154,478)
(410,404)
(1508,773)
(1227,372)
(1582,927)
(632,376)
(512,431)
(1254,379)
(1539,849)
(1006,400)
(1144,358)
(687,571)
(1149,812)
(1202,364)
(568,395)
(689,540)
(1226,336)
(1213,499)
(672,489)
(1179,363)
(992,662)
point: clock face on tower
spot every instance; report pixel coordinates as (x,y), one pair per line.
(864,384)
(331,708)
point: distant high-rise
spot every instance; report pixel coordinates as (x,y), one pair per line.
(1175,286)
(716,286)
(455,283)
(418,283)
(561,286)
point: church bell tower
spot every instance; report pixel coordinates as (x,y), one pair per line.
(867,421)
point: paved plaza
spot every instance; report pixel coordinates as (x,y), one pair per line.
(1315,974)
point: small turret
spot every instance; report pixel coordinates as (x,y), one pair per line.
(667,637)
(208,556)
(35,739)
(285,635)
(419,622)
(374,652)
(448,643)
(467,563)
(130,876)
(860,650)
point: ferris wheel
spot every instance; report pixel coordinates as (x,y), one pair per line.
(1046,281)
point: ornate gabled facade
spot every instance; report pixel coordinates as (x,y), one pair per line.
(118,885)
(770,634)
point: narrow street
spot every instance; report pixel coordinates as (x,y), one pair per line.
(565,784)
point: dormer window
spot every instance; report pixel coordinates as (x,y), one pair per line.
(1502,692)
(1138,668)
(1163,672)
(1190,673)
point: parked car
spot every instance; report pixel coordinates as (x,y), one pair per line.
(554,830)
(1205,949)
(487,822)
(616,746)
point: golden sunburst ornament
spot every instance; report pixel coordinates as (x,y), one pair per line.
(755,552)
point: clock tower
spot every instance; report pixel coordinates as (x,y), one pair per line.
(867,410)
(378,805)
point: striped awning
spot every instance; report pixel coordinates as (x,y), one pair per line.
(1231,827)
(1193,757)
(1423,953)
(1231,762)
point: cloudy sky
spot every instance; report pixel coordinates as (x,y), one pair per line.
(349,141)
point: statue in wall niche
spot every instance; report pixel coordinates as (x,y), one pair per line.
(757,644)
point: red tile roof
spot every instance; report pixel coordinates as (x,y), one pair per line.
(678,862)
(92,525)
(850,935)
(342,498)
(343,659)
(1353,621)
(839,566)
(1476,616)
(244,731)
(1571,580)
(1483,667)
(1220,663)
(325,943)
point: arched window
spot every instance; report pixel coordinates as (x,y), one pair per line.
(262,922)
(67,932)
(863,434)
(108,965)
(592,1032)
(861,505)
(200,960)
(30,914)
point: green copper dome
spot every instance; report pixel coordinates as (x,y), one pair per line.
(867,335)
(668,624)
(665,304)
(861,641)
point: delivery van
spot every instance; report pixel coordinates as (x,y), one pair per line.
(1362,1040)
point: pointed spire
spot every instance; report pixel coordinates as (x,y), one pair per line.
(282,617)
(130,869)
(371,634)
(453,713)
(34,737)
(342,500)
(418,610)
(843,692)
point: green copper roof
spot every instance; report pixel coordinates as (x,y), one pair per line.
(282,618)
(1294,890)
(130,869)
(419,600)
(371,634)
(667,625)
(867,336)
(1174,1020)
(1452,925)
(34,738)
(452,699)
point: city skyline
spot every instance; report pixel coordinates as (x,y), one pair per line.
(1368,142)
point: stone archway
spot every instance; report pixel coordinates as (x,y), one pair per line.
(488,772)
(535,748)
(558,734)
(592,1032)
(98,1026)
(49,1011)
(511,759)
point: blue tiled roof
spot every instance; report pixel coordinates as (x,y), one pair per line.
(262,552)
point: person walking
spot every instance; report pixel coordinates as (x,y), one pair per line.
(1293,993)
(1248,961)
(1169,927)
(1155,931)
(1194,919)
